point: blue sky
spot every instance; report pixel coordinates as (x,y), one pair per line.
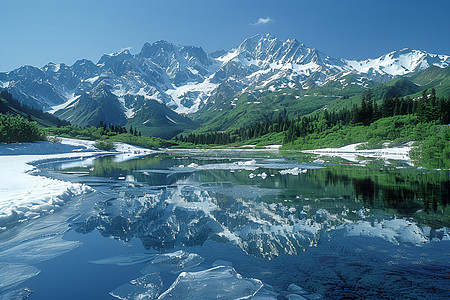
(35,32)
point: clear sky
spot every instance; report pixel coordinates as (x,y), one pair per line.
(35,32)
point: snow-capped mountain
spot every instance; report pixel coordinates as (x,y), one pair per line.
(184,77)
(399,63)
(267,60)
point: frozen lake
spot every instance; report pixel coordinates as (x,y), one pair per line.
(233,224)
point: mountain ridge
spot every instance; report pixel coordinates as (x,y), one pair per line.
(185,78)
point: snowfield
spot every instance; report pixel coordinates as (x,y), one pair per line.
(24,195)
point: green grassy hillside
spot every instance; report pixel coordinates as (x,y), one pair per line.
(156,119)
(11,106)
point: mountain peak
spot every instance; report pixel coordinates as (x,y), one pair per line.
(120,55)
(184,77)
(52,67)
(155,49)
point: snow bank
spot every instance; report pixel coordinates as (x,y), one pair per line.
(24,195)
(351,153)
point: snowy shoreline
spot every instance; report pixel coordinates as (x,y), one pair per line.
(351,153)
(24,195)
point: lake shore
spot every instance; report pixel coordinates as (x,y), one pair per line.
(24,195)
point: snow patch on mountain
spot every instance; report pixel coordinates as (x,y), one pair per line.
(70,98)
(399,63)
(92,79)
(197,92)
(168,118)
(183,77)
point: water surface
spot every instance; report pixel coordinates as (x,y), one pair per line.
(287,223)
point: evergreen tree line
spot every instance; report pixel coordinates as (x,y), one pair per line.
(117,129)
(31,111)
(427,108)
(210,138)
(258,129)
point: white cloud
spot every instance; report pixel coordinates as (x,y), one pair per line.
(126,48)
(262,21)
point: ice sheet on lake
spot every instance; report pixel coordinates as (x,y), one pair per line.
(125,259)
(38,250)
(175,262)
(221,282)
(24,196)
(240,165)
(249,165)
(20,294)
(146,287)
(12,275)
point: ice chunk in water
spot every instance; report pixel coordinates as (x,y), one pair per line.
(12,275)
(266,293)
(246,163)
(37,250)
(20,294)
(295,289)
(146,287)
(125,259)
(220,262)
(176,262)
(221,282)
(293,171)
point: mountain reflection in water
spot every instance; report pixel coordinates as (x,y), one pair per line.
(339,230)
(167,204)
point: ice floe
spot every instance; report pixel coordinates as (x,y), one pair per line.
(38,250)
(12,274)
(125,259)
(146,287)
(221,282)
(19,294)
(293,171)
(173,262)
